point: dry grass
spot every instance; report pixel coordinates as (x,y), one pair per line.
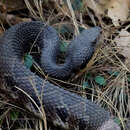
(115,95)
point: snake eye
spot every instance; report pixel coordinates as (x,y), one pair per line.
(94,42)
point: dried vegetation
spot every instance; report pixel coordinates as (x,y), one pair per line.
(105,79)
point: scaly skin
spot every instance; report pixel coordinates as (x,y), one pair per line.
(68,109)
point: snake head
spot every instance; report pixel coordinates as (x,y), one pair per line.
(82,47)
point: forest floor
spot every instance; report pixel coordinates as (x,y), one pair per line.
(104,80)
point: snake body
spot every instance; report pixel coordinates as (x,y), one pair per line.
(59,104)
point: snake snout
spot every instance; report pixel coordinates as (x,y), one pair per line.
(84,46)
(93,35)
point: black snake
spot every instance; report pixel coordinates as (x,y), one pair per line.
(59,104)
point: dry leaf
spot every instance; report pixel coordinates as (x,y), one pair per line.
(12,19)
(94,5)
(128,3)
(123,42)
(99,6)
(118,11)
(1,31)
(11,5)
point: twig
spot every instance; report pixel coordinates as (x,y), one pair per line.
(73,16)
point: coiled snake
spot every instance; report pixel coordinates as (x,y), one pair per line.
(59,104)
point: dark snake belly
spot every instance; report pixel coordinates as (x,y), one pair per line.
(59,104)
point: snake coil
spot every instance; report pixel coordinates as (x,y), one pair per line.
(59,104)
